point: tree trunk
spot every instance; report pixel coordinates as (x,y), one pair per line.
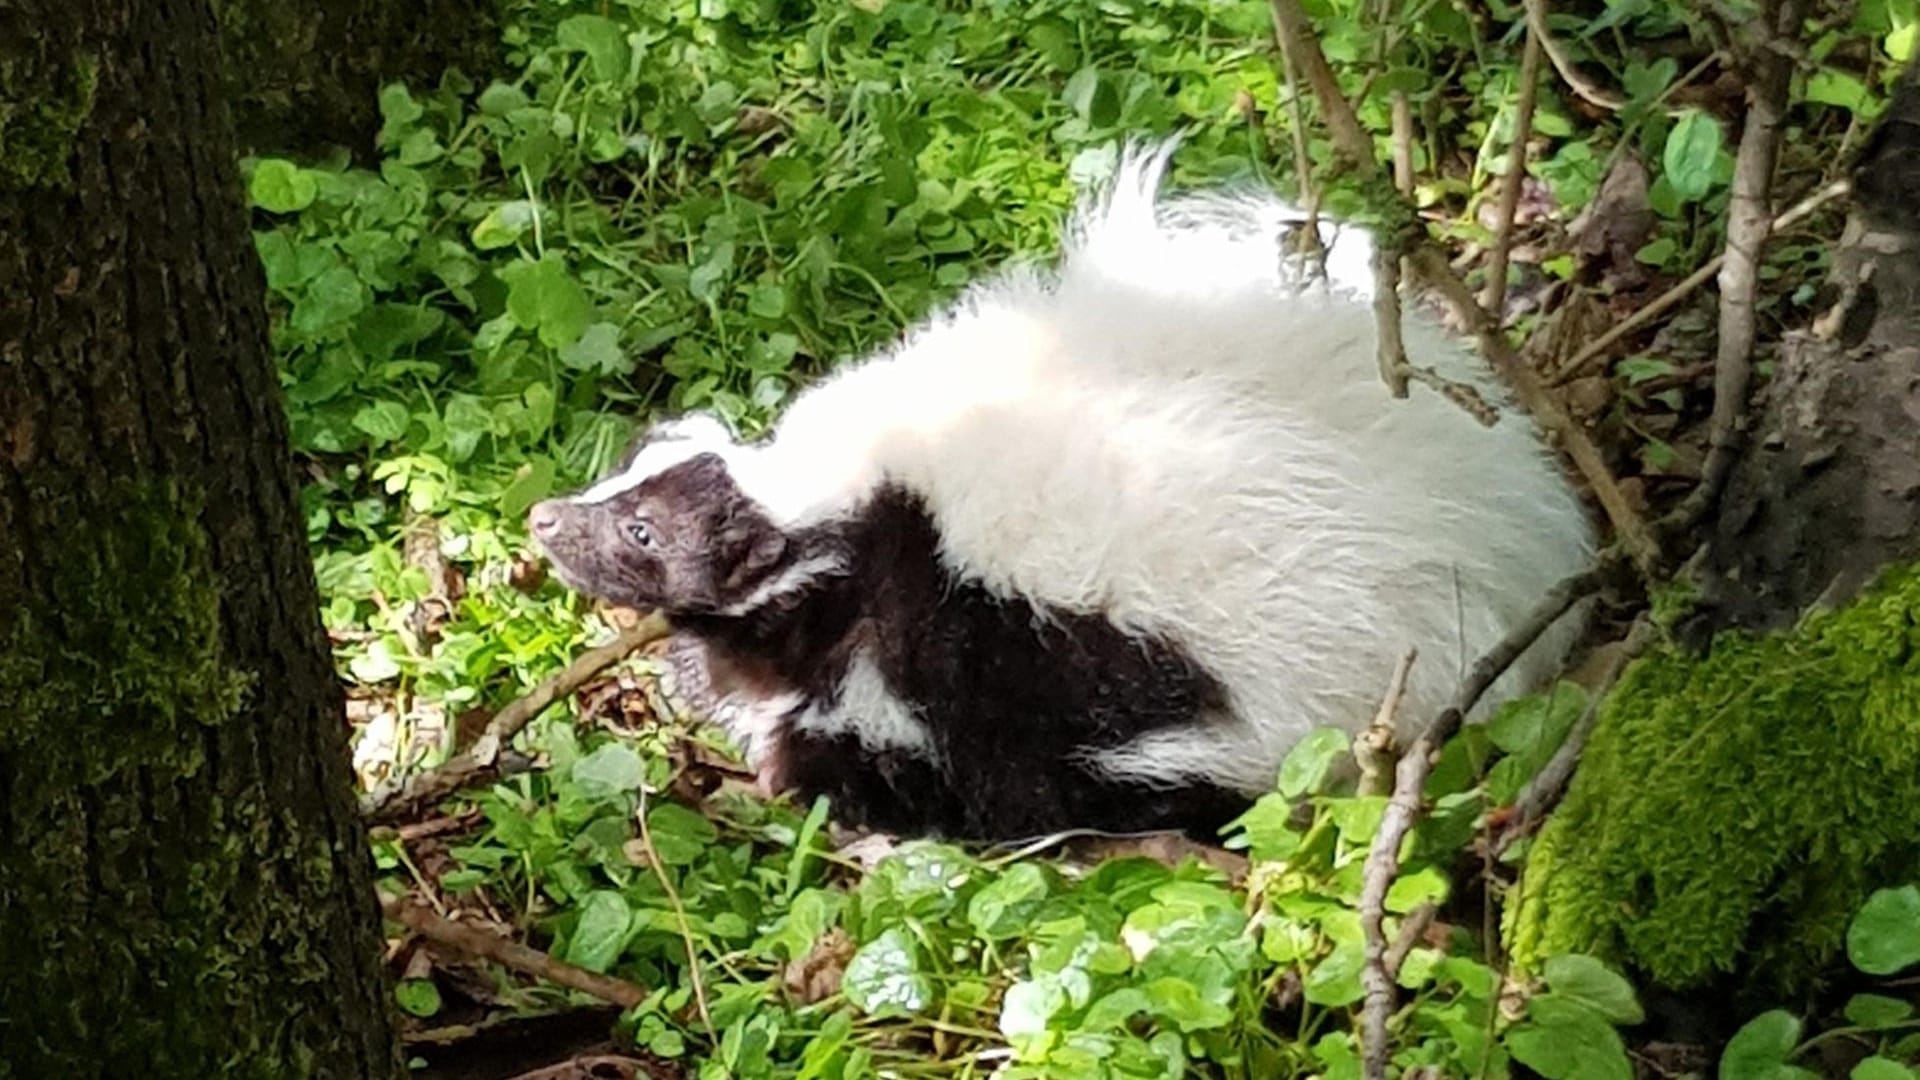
(1829,493)
(185,890)
(305,76)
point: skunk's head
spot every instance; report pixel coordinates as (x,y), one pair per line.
(670,529)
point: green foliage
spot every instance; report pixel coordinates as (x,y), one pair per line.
(1733,810)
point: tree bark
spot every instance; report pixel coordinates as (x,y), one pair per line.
(185,890)
(304,77)
(1828,493)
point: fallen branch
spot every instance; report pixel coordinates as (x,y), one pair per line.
(1409,787)
(476,941)
(1659,305)
(1430,264)
(1494,297)
(1749,223)
(1544,790)
(1582,86)
(397,799)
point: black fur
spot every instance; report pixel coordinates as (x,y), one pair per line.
(1012,696)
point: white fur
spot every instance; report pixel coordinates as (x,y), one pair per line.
(671,444)
(867,710)
(1170,429)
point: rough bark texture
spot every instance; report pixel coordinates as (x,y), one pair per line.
(185,890)
(1829,491)
(305,76)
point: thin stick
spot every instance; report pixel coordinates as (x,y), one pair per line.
(1411,927)
(1304,56)
(1402,142)
(1577,82)
(1494,297)
(1749,223)
(1373,749)
(1403,809)
(474,941)
(1389,347)
(397,799)
(1576,366)
(680,916)
(1544,790)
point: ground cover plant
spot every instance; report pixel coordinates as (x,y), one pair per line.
(658,207)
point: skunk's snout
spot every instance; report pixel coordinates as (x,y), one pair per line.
(545,517)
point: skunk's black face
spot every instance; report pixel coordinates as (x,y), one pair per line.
(670,530)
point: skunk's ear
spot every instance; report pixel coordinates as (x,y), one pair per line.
(749,548)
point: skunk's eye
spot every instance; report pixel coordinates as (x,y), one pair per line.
(638,532)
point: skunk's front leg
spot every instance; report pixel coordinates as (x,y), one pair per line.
(749,704)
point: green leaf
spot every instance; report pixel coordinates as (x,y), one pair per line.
(1029,1005)
(419,997)
(679,835)
(1563,1039)
(598,350)
(1115,1009)
(1094,97)
(1590,982)
(884,977)
(1759,1050)
(531,483)
(1416,887)
(543,297)
(499,99)
(1181,1002)
(1656,252)
(281,187)
(1877,1011)
(1885,936)
(1838,88)
(613,770)
(1335,981)
(1693,149)
(1306,765)
(601,931)
(467,423)
(383,421)
(330,303)
(601,39)
(504,225)
(1879,1068)
(1005,905)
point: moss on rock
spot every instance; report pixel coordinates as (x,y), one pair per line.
(1734,808)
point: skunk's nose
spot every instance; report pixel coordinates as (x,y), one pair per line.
(544,517)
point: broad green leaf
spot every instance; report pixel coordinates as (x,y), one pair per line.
(281,187)
(609,772)
(601,931)
(884,977)
(1005,906)
(500,99)
(679,835)
(543,297)
(1830,86)
(1879,1068)
(598,350)
(1877,1011)
(1306,765)
(383,421)
(1592,983)
(531,483)
(1563,1039)
(1335,981)
(1759,1050)
(1115,1009)
(1029,1005)
(468,422)
(601,39)
(1692,151)
(1181,1002)
(1885,936)
(504,225)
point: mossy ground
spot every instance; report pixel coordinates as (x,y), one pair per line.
(1735,808)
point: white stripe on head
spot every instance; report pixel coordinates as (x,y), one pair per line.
(792,579)
(673,444)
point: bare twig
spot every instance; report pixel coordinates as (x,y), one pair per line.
(1430,264)
(1402,142)
(1372,751)
(1461,394)
(485,944)
(1582,86)
(1403,809)
(680,917)
(399,798)
(1389,347)
(1576,366)
(1749,223)
(1494,296)
(1544,790)
(1413,925)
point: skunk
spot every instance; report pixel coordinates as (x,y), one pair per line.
(1093,547)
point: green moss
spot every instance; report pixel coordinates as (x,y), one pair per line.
(1733,809)
(44,100)
(124,647)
